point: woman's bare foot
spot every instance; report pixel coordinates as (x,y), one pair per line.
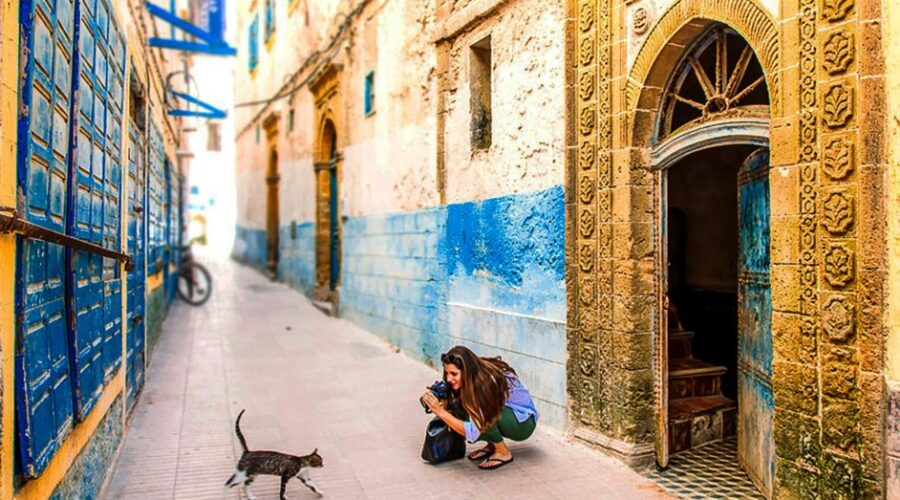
(499,458)
(482,453)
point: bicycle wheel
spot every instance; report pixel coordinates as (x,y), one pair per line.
(194,284)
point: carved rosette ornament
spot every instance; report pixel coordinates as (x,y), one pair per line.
(586,224)
(838,319)
(587,120)
(837,106)
(837,213)
(838,158)
(839,265)
(586,52)
(836,10)
(586,155)
(640,20)
(586,258)
(586,85)
(838,53)
(586,190)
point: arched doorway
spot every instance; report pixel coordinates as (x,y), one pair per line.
(272,220)
(328,230)
(710,150)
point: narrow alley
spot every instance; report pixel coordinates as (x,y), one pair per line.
(310,381)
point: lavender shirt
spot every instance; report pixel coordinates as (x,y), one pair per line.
(519,401)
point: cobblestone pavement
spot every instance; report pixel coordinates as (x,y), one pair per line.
(311,381)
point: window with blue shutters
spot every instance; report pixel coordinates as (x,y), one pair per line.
(156,156)
(369,93)
(94,285)
(136,245)
(253,42)
(44,412)
(68,302)
(269,32)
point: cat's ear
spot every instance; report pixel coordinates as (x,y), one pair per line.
(315,452)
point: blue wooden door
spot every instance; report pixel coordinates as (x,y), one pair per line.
(755,400)
(334,228)
(44,410)
(134,355)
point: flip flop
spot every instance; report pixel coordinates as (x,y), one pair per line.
(499,463)
(481,454)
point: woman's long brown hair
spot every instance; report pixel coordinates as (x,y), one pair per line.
(484,385)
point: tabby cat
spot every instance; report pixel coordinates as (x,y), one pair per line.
(254,463)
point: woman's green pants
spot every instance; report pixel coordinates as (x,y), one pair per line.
(507,427)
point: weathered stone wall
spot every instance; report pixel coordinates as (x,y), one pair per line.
(823,70)
(528,105)
(89,469)
(891,44)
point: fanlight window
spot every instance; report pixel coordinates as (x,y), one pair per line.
(719,78)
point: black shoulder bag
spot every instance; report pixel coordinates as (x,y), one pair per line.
(442,444)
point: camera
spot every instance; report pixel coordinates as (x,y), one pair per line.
(441,391)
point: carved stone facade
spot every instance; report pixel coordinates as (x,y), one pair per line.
(823,66)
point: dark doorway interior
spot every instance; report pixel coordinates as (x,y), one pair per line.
(702,276)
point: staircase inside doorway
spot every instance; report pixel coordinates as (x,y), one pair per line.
(699,413)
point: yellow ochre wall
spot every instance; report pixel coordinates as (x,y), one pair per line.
(9,35)
(892,189)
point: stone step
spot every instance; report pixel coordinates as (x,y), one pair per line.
(681,344)
(694,422)
(326,307)
(692,378)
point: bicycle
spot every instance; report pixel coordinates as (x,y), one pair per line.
(194,280)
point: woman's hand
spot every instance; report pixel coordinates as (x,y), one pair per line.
(437,407)
(432,402)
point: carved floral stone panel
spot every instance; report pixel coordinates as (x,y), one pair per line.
(837,211)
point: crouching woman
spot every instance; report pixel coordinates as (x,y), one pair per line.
(488,403)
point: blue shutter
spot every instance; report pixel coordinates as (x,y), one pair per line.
(155,198)
(270,20)
(112,226)
(94,286)
(44,414)
(136,243)
(369,96)
(253,36)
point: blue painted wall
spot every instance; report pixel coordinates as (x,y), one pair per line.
(506,288)
(393,278)
(488,274)
(250,246)
(297,256)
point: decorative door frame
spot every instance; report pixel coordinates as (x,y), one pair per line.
(273,176)
(828,240)
(325,87)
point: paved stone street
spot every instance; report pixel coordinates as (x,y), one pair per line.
(307,381)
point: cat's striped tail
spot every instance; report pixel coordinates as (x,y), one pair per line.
(237,430)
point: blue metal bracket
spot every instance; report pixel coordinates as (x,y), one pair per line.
(211,112)
(213,45)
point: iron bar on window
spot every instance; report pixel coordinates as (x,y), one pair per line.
(10,222)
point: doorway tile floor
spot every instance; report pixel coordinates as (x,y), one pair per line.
(711,471)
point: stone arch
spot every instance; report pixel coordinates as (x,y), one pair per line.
(663,48)
(325,138)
